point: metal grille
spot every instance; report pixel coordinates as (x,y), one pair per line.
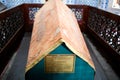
(106,28)
(32,11)
(78,12)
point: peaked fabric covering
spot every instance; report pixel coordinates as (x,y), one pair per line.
(54,24)
(82,71)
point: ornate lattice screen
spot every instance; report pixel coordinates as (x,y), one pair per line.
(95,3)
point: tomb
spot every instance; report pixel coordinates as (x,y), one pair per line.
(57,48)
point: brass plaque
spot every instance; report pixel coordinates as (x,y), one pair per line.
(59,63)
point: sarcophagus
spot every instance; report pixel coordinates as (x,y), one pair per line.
(57,49)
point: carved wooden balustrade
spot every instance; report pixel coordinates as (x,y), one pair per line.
(104,26)
(11,27)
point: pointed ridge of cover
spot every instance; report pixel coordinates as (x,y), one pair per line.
(54,24)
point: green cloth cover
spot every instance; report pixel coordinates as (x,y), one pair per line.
(83,71)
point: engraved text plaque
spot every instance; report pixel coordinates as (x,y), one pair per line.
(59,63)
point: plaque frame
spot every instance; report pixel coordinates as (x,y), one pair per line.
(60,55)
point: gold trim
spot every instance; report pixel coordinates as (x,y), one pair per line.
(52,48)
(43,55)
(79,55)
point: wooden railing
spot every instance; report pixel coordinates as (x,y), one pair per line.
(11,27)
(104,26)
